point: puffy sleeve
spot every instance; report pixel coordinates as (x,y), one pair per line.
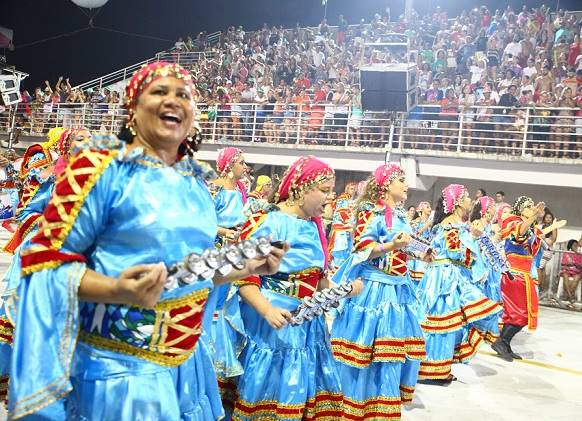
(34,199)
(367,231)
(37,203)
(52,269)
(367,234)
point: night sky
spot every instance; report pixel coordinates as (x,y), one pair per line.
(93,53)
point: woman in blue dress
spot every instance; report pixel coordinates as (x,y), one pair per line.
(342,225)
(486,276)
(226,328)
(115,344)
(376,336)
(450,303)
(38,187)
(35,170)
(289,371)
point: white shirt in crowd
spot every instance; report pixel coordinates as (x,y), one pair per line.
(318,58)
(513,48)
(526,88)
(476,73)
(530,71)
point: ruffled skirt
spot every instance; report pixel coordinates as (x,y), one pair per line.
(289,374)
(488,327)
(109,386)
(450,307)
(377,338)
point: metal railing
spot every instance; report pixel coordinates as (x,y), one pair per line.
(184,58)
(527,133)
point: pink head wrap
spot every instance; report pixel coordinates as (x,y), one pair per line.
(452,195)
(383,176)
(386,174)
(300,176)
(226,159)
(486,203)
(143,77)
(500,210)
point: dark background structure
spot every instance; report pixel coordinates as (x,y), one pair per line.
(92,52)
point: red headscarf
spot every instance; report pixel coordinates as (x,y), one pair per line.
(143,77)
(383,176)
(302,174)
(226,159)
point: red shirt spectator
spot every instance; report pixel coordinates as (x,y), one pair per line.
(243,73)
(303,82)
(574,51)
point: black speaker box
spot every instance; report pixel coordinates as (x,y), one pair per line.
(389,77)
(384,100)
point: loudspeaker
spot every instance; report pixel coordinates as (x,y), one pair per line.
(389,77)
(377,100)
(11,97)
(9,89)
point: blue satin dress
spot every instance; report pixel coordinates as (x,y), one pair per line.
(342,225)
(417,267)
(376,336)
(488,279)
(289,374)
(12,277)
(80,360)
(450,302)
(226,329)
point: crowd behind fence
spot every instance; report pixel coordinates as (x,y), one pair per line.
(538,132)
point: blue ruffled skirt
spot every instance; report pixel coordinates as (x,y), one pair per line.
(110,386)
(8,286)
(290,373)
(488,327)
(450,306)
(227,333)
(377,338)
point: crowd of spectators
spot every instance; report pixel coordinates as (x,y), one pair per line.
(62,105)
(302,84)
(531,59)
(466,65)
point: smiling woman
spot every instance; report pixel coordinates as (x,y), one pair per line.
(115,344)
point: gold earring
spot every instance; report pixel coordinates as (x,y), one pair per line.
(131,127)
